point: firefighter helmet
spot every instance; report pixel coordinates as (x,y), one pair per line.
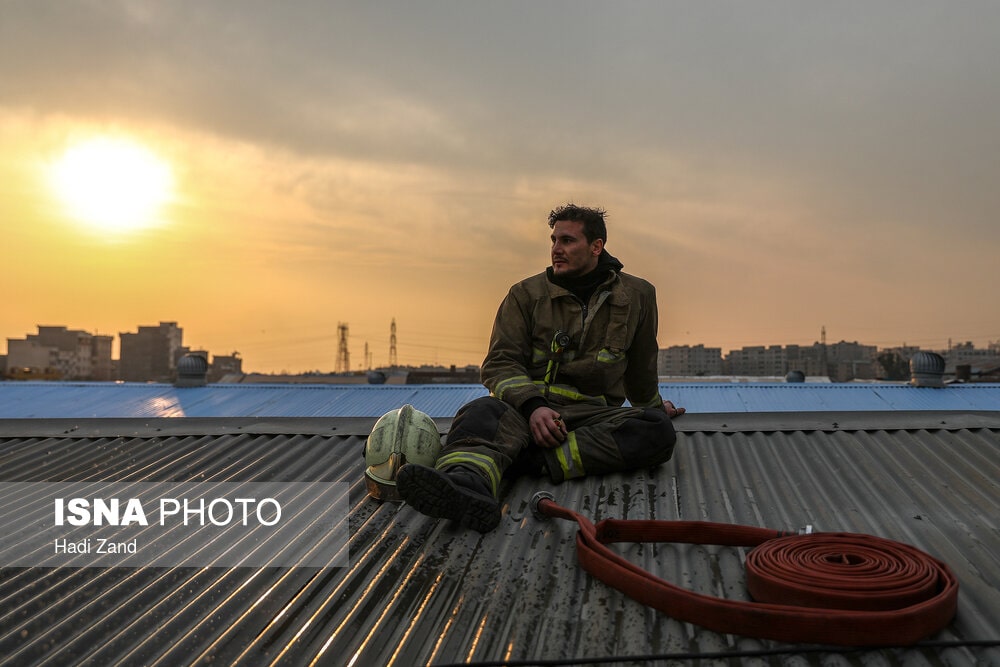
(404,435)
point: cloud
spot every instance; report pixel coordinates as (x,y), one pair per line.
(758,154)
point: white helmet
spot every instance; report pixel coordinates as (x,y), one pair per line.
(405,435)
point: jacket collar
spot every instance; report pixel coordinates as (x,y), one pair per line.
(583,287)
(607,267)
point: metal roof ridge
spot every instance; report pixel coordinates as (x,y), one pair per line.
(92,427)
(691,422)
(862,420)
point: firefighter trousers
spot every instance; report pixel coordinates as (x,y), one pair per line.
(494,438)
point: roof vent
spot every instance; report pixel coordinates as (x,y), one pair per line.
(927,370)
(795,376)
(192,371)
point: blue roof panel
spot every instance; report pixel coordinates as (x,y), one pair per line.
(41,400)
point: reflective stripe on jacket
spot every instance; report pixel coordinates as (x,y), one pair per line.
(612,356)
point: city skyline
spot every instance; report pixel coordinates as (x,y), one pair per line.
(369,362)
(261,173)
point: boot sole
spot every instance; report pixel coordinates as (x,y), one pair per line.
(430,492)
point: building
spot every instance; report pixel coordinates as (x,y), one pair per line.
(893,363)
(977,359)
(758,361)
(810,359)
(441,375)
(841,362)
(58,352)
(851,361)
(224,365)
(25,356)
(151,354)
(688,360)
(967,352)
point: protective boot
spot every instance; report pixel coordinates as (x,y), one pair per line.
(457,493)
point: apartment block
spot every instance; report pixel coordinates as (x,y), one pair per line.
(841,362)
(967,353)
(225,364)
(59,352)
(757,361)
(688,360)
(151,354)
(810,359)
(851,361)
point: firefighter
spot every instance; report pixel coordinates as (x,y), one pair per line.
(569,346)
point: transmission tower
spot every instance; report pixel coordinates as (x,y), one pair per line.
(825,359)
(393,362)
(343,356)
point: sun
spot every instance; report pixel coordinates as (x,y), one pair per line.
(112,184)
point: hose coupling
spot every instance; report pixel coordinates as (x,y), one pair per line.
(535,500)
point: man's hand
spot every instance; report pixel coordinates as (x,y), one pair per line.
(672,411)
(547,427)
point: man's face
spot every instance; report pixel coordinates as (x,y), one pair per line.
(572,254)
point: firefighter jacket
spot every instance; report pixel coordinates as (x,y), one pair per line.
(611,354)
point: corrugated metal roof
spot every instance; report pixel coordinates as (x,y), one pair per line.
(419,591)
(45,400)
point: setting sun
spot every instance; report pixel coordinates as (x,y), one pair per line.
(112,185)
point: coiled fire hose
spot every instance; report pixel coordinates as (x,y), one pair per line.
(845,589)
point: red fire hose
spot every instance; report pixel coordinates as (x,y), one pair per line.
(845,589)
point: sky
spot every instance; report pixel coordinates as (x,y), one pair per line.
(775,169)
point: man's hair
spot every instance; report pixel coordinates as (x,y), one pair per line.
(592,219)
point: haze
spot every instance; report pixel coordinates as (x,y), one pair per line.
(772,167)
